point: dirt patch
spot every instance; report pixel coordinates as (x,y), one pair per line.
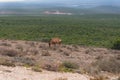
(22,73)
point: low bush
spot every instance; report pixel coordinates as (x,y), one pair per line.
(110,65)
(5,44)
(68,66)
(116,45)
(51,66)
(36,68)
(10,52)
(6,62)
(27,62)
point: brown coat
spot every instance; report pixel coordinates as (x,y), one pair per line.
(55,41)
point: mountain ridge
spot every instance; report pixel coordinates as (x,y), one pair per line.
(39,8)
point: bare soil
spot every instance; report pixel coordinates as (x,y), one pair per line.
(22,73)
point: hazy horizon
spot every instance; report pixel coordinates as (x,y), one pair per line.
(70,2)
(76,7)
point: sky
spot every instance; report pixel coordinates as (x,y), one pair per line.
(86,2)
(10,0)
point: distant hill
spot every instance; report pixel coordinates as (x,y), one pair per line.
(107,9)
(39,8)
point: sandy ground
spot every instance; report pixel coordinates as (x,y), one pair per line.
(22,73)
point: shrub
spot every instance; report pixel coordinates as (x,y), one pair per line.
(111,65)
(36,68)
(71,65)
(66,53)
(5,44)
(10,53)
(51,66)
(19,47)
(91,69)
(27,62)
(64,69)
(116,45)
(68,66)
(6,62)
(32,44)
(33,51)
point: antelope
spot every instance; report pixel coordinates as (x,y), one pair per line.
(55,41)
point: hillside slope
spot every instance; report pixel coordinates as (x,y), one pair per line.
(64,58)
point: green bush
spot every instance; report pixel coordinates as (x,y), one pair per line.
(36,68)
(72,29)
(69,66)
(116,45)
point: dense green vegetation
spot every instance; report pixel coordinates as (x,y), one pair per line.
(90,30)
(116,45)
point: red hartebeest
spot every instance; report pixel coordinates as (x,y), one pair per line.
(55,41)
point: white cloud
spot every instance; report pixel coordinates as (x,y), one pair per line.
(10,0)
